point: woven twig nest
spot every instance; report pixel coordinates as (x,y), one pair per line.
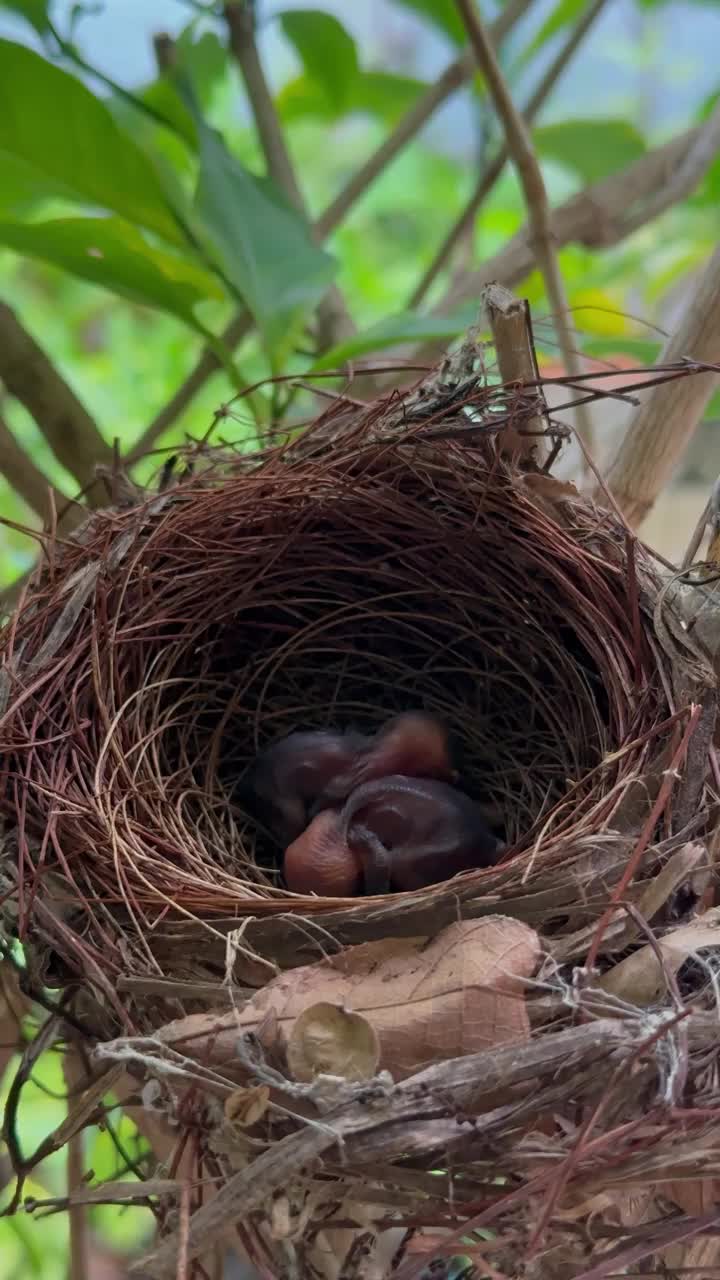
(368,571)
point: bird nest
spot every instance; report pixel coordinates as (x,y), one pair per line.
(518,1049)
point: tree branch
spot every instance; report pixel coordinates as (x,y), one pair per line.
(69,429)
(75,1077)
(488,179)
(334,320)
(511,327)
(665,422)
(598,217)
(408,127)
(522,152)
(452,78)
(28,480)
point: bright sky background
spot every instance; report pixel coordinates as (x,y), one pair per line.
(659,86)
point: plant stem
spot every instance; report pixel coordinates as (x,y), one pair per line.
(334,320)
(30,376)
(408,127)
(487,180)
(668,416)
(522,153)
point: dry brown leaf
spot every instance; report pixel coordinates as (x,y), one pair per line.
(246,1107)
(686,864)
(640,978)
(461,992)
(694,1197)
(327,1040)
(549,492)
(698,1258)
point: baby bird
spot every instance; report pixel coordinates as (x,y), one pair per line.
(290,775)
(394,833)
(304,773)
(413,745)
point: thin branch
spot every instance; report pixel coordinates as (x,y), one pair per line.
(453,77)
(698,157)
(488,179)
(13,1007)
(75,1075)
(666,421)
(30,482)
(598,217)
(334,320)
(509,319)
(522,152)
(407,128)
(241,29)
(30,376)
(208,364)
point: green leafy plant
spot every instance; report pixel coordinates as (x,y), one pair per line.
(165,252)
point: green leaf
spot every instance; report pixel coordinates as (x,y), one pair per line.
(707,106)
(162,96)
(593,148)
(67,137)
(659,4)
(712,408)
(326,50)
(384,94)
(111,253)
(205,63)
(20,188)
(34,11)
(262,246)
(442,13)
(406,326)
(565,12)
(643,350)
(375,93)
(301,98)
(205,59)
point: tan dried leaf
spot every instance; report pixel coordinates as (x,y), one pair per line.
(640,978)
(550,494)
(427,1001)
(327,1040)
(246,1107)
(693,1197)
(682,866)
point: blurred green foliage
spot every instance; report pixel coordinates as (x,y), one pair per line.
(133,225)
(38,1246)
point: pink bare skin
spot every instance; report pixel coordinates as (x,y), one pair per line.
(413,745)
(291,774)
(320,861)
(394,833)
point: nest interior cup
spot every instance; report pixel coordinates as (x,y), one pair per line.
(158,653)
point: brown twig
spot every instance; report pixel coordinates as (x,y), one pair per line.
(32,378)
(453,77)
(407,128)
(493,171)
(511,328)
(598,217)
(601,216)
(663,796)
(663,426)
(44,1038)
(334,320)
(29,481)
(75,1074)
(13,1006)
(522,153)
